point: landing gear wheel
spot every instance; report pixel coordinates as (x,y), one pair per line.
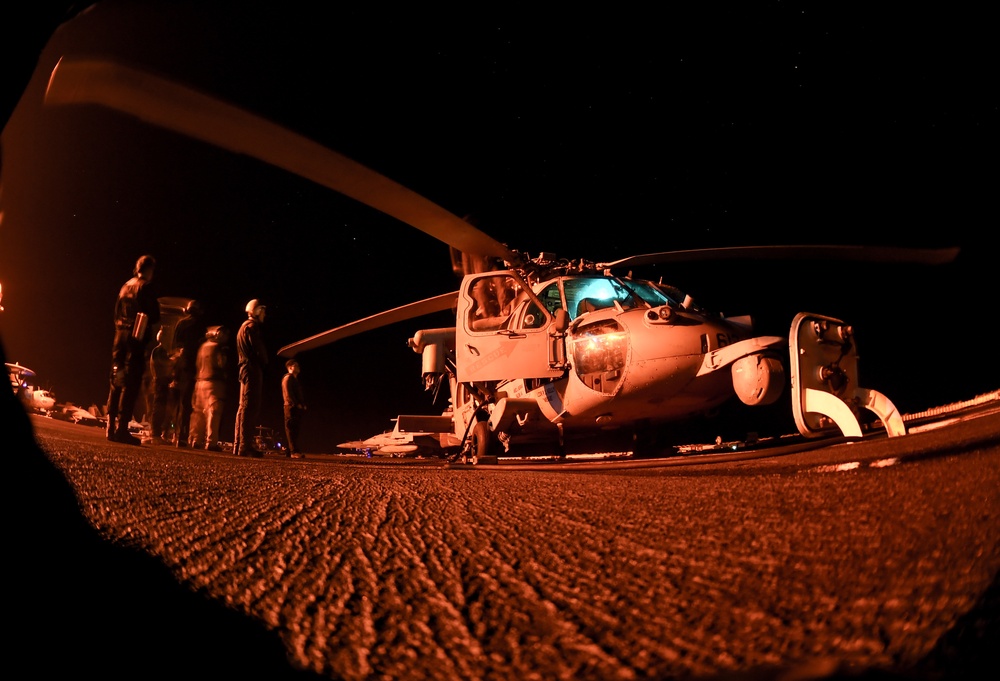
(482,441)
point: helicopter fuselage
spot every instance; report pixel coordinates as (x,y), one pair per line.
(629,357)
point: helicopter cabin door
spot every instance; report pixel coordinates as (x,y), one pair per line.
(500,332)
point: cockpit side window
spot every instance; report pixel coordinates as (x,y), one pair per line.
(535,318)
(494,298)
(551,298)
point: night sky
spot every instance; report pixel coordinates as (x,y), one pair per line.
(595,135)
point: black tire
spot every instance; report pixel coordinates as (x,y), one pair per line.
(482,441)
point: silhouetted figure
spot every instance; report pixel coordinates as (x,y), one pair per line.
(188,336)
(129,616)
(161,374)
(136,318)
(212,370)
(252,360)
(295,406)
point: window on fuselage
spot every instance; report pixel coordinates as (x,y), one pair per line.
(603,292)
(494,301)
(650,293)
(533,317)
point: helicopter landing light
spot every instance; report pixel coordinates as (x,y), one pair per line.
(661,315)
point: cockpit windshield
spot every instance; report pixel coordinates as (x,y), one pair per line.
(650,293)
(585,294)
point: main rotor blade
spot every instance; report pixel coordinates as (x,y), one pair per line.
(180,109)
(436,304)
(925,256)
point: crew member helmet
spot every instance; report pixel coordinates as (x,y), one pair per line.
(217,333)
(143,264)
(253,306)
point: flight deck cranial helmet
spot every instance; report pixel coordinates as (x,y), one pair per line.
(144,266)
(256,310)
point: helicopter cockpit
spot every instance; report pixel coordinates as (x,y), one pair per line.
(587,294)
(501,303)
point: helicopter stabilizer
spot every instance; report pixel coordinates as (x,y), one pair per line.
(826,394)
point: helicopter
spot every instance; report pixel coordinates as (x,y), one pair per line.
(550,356)
(547,354)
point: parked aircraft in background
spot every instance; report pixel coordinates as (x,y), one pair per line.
(34,398)
(412,436)
(18,374)
(38,399)
(77,414)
